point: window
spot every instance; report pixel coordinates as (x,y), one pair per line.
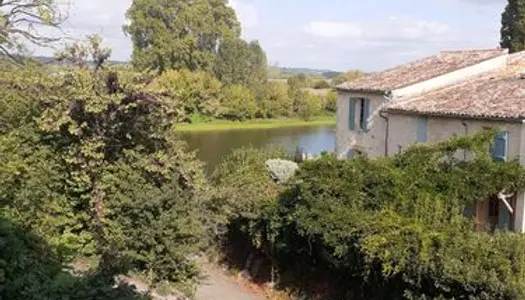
(350,154)
(500,146)
(364,114)
(351,113)
(421,130)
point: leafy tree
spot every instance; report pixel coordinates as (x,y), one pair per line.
(299,81)
(347,76)
(331,102)
(195,93)
(238,103)
(96,145)
(179,34)
(513,26)
(21,21)
(242,63)
(307,105)
(321,84)
(276,101)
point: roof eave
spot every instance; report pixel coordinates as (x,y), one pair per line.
(517,119)
(362,90)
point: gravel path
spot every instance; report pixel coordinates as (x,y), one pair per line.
(217,286)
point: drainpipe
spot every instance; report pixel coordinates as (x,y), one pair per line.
(388,97)
(465,125)
(384,115)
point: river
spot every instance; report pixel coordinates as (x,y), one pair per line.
(212,146)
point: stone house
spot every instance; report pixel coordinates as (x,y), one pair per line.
(450,94)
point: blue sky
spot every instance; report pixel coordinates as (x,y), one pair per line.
(331,34)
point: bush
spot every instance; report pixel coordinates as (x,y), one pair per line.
(392,228)
(31,270)
(321,84)
(276,102)
(331,102)
(238,103)
(95,169)
(194,92)
(307,105)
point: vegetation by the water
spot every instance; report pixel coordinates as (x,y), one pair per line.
(91,167)
(255,124)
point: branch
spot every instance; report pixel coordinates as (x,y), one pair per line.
(503,197)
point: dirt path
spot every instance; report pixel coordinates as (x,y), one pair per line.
(217,286)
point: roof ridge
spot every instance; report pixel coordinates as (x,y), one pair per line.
(475,50)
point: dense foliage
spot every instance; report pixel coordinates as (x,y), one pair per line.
(513,26)
(179,34)
(390,227)
(242,63)
(198,50)
(91,166)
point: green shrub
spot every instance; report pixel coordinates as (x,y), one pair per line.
(276,101)
(392,228)
(238,103)
(321,84)
(307,105)
(331,102)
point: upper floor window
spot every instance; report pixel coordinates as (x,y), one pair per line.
(421,129)
(500,146)
(364,114)
(359,107)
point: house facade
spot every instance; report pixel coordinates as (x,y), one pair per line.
(454,93)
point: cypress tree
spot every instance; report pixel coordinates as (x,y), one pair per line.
(513,26)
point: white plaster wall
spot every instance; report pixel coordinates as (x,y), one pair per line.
(440,81)
(403,132)
(372,142)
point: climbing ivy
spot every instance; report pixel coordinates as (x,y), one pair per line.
(393,228)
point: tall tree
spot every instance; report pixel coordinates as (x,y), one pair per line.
(179,34)
(513,26)
(242,63)
(20,21)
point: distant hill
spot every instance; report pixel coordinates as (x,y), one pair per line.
(282,72)
(275,72)
(52,61)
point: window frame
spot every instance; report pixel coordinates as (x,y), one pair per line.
(364,114)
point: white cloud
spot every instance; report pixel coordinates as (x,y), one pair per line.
(407,28)
(393,28)
(246,12)
(331,29)
(106,17)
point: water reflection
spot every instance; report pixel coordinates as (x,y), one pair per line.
(212,146)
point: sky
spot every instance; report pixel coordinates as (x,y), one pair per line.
(327,34)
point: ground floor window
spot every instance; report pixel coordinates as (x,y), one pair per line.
(493,214)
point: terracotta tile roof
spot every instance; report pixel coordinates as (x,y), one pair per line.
(495,95)
(421,70)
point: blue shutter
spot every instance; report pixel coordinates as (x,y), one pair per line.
(499,148)
(351,113)
(421,130)
(366,114)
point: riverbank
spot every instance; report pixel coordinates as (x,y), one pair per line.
(255,124)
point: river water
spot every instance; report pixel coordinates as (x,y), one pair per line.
(212,146)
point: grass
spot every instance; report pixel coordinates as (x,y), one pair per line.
(255,124)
